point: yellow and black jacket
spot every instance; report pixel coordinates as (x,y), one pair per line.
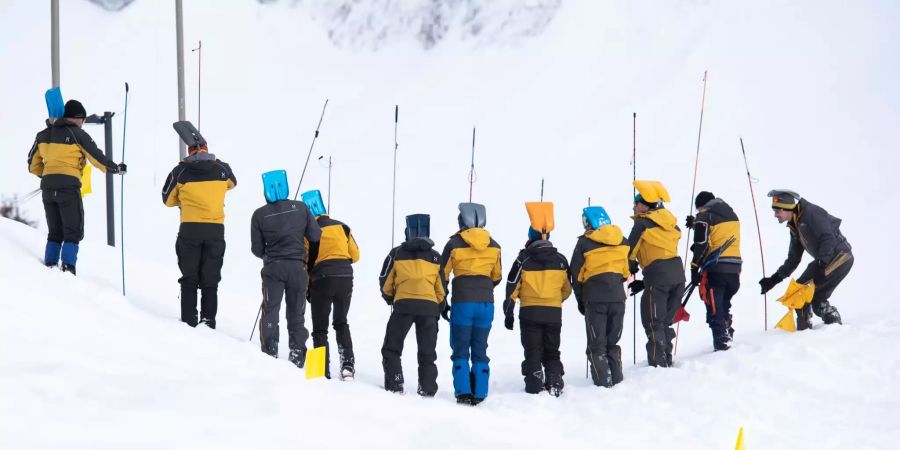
(600,266)
(474,259)
(336,250)
(410,278)
(60,152)
(197,185)
(716,223)
(539,279)
(654,247)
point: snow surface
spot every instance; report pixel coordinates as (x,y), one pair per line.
(811,86)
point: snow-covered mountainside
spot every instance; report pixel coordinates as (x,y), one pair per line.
(810,86)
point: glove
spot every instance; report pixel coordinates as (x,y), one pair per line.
(695,277)
(636,286)
(633,267)
(580,305)
(445,313)
(689,222)
(508,322)
(767,283)
(389,300)
(121,169)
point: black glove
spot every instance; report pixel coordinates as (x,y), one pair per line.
(695,277)
(633,267)
(767,283)
(387,299)
(509,321)
(121,169)
(445,313)
(689,222)
(580,305)
(636,286)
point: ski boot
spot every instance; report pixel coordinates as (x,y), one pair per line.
(297,357)
(69,268)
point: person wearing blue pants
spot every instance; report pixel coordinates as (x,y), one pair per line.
(473,258)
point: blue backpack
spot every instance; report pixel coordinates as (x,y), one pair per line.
(275,185)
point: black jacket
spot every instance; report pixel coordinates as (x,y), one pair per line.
(277,231)
(817,232)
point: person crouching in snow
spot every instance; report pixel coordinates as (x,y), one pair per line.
(598,270)
(411,284)
(817,232)
(539,279)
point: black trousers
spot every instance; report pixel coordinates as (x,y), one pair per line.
(826,280)
(200,261)
(659,304)
(323,293)
(604,329)
(426,337)
(65,214)
(283,279)
(719,289)
(541,343)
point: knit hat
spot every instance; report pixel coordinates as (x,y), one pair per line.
(534,235)
(74,110)
(703,198)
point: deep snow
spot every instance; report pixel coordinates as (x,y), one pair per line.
(809,85)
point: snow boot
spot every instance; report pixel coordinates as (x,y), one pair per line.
(534,381)
(208,322)
(615,364)
(422,392)
(832,316)
(51,253)
(465,399)
(804,318)
(68,268)
(347,370)
(600,371)
(393,383)
(297,357)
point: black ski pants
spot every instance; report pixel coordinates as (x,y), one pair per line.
(541,343)
(826,280)
(200,261)
(717,294)
(283,279)
(426,337)
(65,214)
(604,329)
(659,304)
(323,293)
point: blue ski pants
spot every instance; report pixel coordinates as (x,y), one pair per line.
(470,325)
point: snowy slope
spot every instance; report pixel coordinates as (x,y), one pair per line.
(83,367)
(816,103)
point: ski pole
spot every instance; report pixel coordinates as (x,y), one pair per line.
(762,258)
(394,192)
(122,193)
(687,243)
(311,145)
(199,51)
(255,322)
(472,167)
(633,194)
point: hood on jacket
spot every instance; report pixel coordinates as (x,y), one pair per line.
(540,250)
(607,234)
(477,238)
(417,244)
(663,218)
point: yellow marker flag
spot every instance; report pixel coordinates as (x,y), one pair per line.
(787,322)
(315,363)
(86,180)
(740,441)
(798,294)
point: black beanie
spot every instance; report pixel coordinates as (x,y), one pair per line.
(74,110)
(703,198)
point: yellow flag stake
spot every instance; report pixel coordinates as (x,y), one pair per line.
(739,445)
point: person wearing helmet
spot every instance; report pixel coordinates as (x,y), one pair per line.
(277,231)
(598,272)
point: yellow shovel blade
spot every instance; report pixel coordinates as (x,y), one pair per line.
(315,363)
(541,216)
(797,294)
(787,322)
(86,180)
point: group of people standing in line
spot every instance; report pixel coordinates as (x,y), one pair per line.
(308,256)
